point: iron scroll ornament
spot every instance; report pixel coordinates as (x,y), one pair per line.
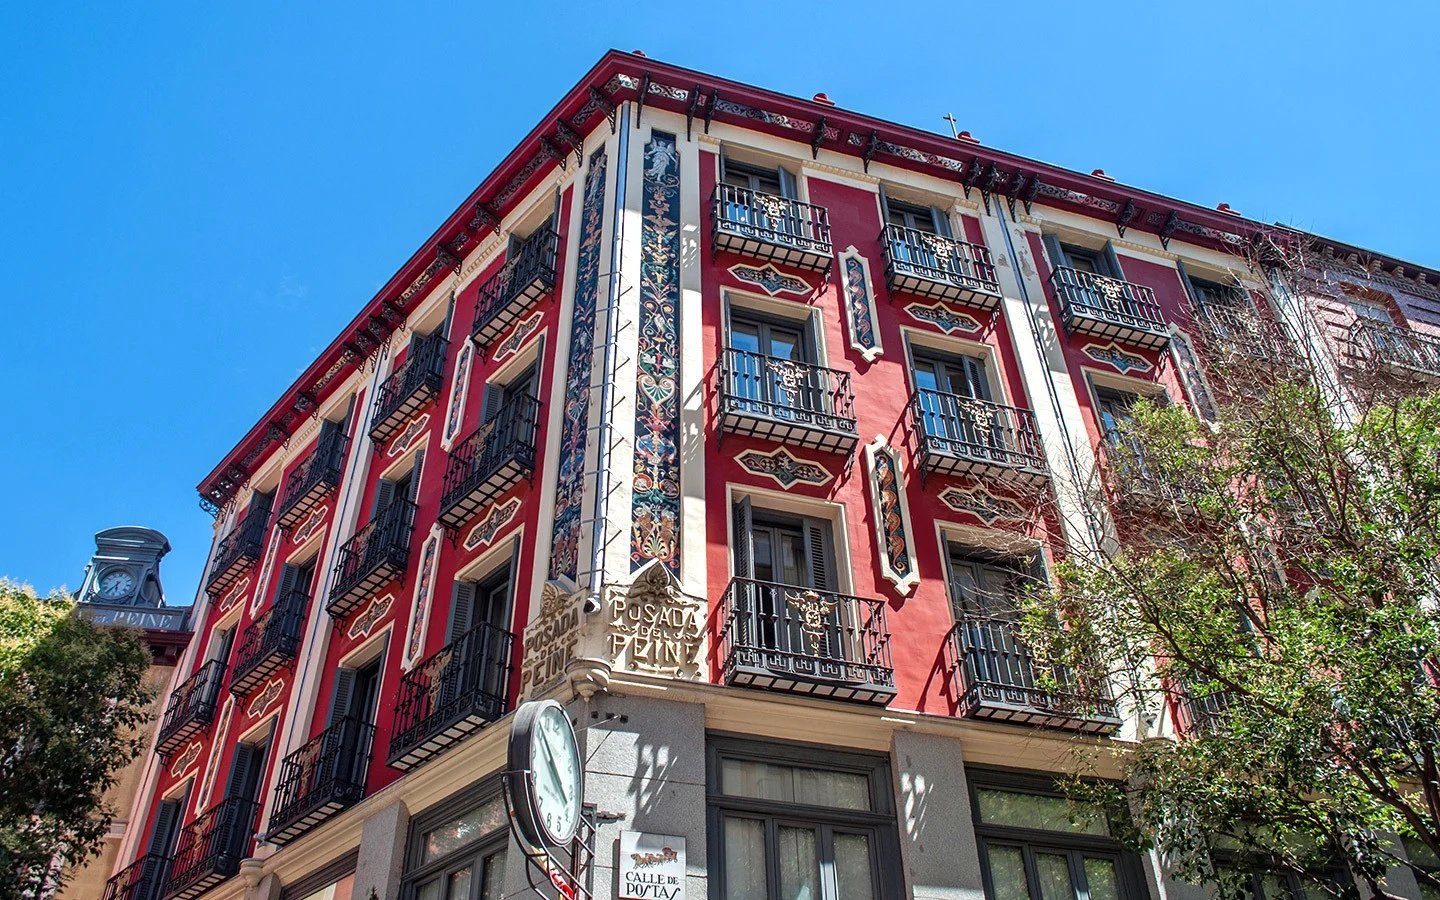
(546,775)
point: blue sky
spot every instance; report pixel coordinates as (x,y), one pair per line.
(198,196)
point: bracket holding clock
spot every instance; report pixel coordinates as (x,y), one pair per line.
(544,787)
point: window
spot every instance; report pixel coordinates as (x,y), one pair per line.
(783,549)
(1370,312)
(1033,847)
(458,851)
(942,385)
(984,583)
(221,640)
(755,196)
(247,770)
(1112,408)
(761,382)
(791,823)
(923,219)
(1212,296)
(400,487)
(777,182)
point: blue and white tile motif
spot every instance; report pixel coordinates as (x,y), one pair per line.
(771,280)
(944,318)
(858,305)
(570,485)
(655,508)
(1111,355)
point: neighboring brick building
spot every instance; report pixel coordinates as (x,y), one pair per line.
(722,417)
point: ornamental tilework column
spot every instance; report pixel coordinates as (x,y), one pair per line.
(655,507)
(892,516)
(570,485)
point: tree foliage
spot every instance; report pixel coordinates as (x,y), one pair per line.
(1269,588)
(71,700)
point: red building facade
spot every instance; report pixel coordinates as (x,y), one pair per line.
(732,421)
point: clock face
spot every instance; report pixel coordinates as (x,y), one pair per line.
(547,774)
(116,583)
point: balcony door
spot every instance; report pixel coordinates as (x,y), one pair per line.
(943,386)
(984,599)
(1112,408)
(742,206)
(354,702)
(916,227)
(788,607)
(773,370)
(479,620)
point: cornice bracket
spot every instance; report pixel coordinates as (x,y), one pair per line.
(604,102)
(640,100)
(870,148)
(710,105)
(690,110)
(567,136)
(1167,230)
(818,139)
(1127,215)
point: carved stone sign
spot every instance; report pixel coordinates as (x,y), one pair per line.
(654,628)
(550,640)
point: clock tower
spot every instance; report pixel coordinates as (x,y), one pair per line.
(122,582)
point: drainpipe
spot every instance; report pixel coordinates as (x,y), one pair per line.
(607,385)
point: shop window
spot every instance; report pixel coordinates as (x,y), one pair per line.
(458,852)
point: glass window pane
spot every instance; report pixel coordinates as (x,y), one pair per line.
(1100,878)
(1007,872)
(853,878)
(430,890)
(794,784)
(799,865)
(458,885)
(999,807)
(485,819)
(744,858)
(493,887)
(1053,870)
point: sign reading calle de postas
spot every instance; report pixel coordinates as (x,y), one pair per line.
(652,866)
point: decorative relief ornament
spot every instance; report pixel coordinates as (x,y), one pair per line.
(272,691)
(459,390)
(406,439)
(367,620)
(1111,355)
(792,377)
(272,550)
(420,607)
(212,763)
(551,639)
(654,628)
(235,593)
(860,315)
(182,762)
(498,516)
(892,516)
(983,505)
(771,280)
(311,526)
(785,467)
(512,343)
(944,318)
(813,610)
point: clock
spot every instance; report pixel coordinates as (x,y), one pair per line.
(547,779)
(115,584)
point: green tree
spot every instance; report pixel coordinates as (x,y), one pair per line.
(71,701)
(1270,581)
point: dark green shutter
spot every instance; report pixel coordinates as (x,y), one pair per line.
(788,189)
(260,506)
(740,549)
(505,615)
(244,772)
(975,375)
(462,610)
(817,555)
(1112,262)
(384,494)
(162,830)
(1055,251)
(491,402)
(289,576)
(415,475)
(884,207)
(341,695)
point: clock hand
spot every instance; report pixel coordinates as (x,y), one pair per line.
(554,769)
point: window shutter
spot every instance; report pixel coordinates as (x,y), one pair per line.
(505,614)
(415,475)
(722,165)
(817,555)
(242,773)
(289,576)
(163,828)
(222,649)
(260,506)
(345,421)
(341,695)
(491,404)
(975,375)
(1054,251)
(1196,300)
(1112,262)
(462,610)
(884,206)
(788,188)
(740,542)
(384,494)
(942,222)
(957,607)
(449,315)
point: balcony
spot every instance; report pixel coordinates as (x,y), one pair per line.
(793,403)
(994,677)
(1395,350)
(938,268)
(409,387)
(1136,484)
(317,476)
(492,460)
(785,638)
(269,643)
(1109,308)
(141,880)
(323,777)
(374,557)
(513,291)
(238,550)
(459,690)
(1197,716)
(766,227)
(1247,335)
(957,435)
(210,848)
(191,707)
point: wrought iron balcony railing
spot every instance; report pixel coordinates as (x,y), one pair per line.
(1109,308)
(783,400)
(1137,484)
(788,638)
(1249,335)
(269,643)
(1396,349)
(966,436)
(938,268)
(141,880)
(1196,716)
(317,476)
(516,288)
(325,776)
(210,848)
(375,556)
(191,707)
(764,226)
(493,459)
(994,676)
(453,693)
(239,550)
(409,387)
